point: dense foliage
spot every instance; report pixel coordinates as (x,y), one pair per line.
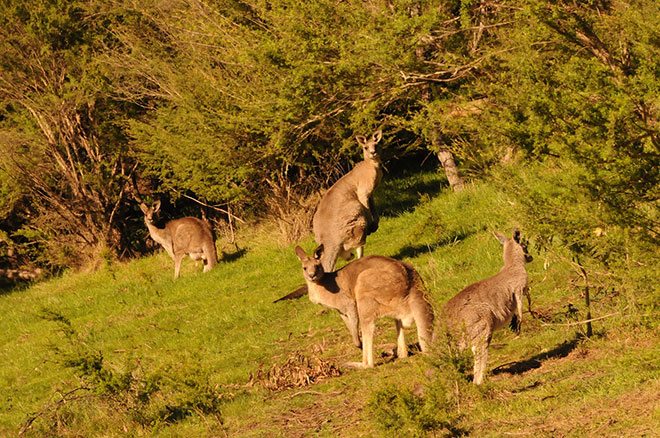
(235,103)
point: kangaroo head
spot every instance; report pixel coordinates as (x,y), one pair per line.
(515,248)
(312,267)
(149,212)
(370,146)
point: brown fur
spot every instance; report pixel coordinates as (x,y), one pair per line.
(487,305)
(346,213)
(367,289)
(180,237)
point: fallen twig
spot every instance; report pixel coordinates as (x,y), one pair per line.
(586,321)
(312,392)
(55,405)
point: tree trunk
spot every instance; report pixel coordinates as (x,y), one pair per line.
(444,154)
(447,160)
(20,274)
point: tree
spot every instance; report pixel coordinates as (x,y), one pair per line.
(62,134)
(578,96)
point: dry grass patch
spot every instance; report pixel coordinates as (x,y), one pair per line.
(297,371)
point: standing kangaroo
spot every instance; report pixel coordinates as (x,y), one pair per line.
(367,289)
(346,213)
(487,305)
(181,237)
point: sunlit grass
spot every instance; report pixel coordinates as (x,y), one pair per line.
(214,331)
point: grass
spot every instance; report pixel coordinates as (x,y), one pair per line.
(128,351)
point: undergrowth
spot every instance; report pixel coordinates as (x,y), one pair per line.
(131,394)
(430,407)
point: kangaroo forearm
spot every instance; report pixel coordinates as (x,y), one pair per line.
(372,209)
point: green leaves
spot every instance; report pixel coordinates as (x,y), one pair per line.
(227,101)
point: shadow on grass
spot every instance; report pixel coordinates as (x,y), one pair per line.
(233,256)
(519,367)
(9,286)
(403,194)
(390,354)
(301,291)
(412,251)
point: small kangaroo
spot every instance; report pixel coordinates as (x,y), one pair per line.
(346,213)
(181,237)
(367,289)
(487,305)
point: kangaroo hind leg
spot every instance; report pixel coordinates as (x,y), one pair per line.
(178,258)
(401,347)
(367,347)
(480,350)
(423,315)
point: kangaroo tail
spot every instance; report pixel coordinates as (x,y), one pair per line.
(293,295)
(211,254)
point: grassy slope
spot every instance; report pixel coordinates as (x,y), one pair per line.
(207,334)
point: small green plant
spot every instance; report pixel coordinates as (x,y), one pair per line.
(433,407)
(149,399)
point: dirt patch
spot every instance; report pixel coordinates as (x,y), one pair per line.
(297,371)
(635,413)
(336,414)
(628,415)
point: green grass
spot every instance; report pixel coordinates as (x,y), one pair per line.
(150,356)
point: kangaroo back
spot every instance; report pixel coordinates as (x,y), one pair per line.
(346,213)
(191,235)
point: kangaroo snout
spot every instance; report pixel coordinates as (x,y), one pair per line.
(313,273)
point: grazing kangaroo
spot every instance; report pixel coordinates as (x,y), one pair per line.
(367,289)
(487,305)
(181,237)
(346,213)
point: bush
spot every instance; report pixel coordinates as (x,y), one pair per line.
(432,407)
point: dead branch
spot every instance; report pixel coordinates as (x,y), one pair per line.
(55,405)
(222,210)
(586,321)
(312,392)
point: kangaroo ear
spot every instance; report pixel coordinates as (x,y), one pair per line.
(156,206)
(301,253)
(377,136)
(144,208)
(318,252)
(361,139)
(516,235)
(501,237)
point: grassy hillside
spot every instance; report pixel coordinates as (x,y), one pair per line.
(128,351)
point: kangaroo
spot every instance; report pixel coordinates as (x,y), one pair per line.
(346,213)
(487,305)
(181,237)
(367,289)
